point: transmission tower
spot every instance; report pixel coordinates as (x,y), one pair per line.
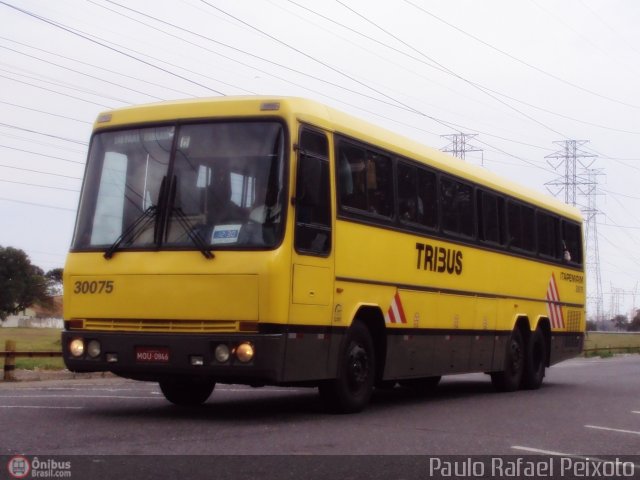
(579,184)
(616,296)
(567,160)
(589,190)
(459,145)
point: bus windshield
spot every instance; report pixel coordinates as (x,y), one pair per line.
(219,185)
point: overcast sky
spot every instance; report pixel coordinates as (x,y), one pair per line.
(520,75)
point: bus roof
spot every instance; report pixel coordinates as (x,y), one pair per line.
(333,120)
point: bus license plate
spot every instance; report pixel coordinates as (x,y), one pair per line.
(152,354)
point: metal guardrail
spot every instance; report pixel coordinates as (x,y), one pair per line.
(10,354)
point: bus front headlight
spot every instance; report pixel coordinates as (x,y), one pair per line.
(76,347)
(94,349)
(244,352)
(222,353)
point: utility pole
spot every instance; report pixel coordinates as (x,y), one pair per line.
(459,145)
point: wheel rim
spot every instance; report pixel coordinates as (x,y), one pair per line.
(357,367)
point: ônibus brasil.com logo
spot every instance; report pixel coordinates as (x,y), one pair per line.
(20,466)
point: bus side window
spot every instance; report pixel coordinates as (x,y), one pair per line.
(409,204)
(547,235)
(521,227)
(428,198)
(417,197)
(490,217)
(312,197)
(456,201)
(365,180)
(571,243)
(352,177)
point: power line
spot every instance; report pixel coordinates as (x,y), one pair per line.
(75,190)
(40,172)
(165,33)
(22,82)
(516,59)
(82,73)
(86,37)
(257,57)
(449,71)
(38,204)
(46,144)
(42,133)
(46,113)
(445,70)
(342,87)
(58,83)
(448,124)
(586,39)
(310,57)
(42,154)
(113,72)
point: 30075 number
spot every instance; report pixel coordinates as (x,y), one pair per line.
(95,287)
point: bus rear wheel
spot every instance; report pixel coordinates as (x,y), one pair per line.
(535,361)
(186,392)
(509,379)
(351,391)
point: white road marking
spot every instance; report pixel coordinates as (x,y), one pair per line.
(545,452)
(264,390)
(39,407)
(559,454)
(76,396)
(612,429)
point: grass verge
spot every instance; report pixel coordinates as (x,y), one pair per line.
(34,340)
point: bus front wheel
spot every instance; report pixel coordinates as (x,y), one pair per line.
(186,392)
(351,390)
(509,379)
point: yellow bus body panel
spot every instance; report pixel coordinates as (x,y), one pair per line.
(181,286)
(491,291)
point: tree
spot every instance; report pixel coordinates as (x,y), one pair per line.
(54,281)
(620,322)
(592,325)
(634,326)
(21,283)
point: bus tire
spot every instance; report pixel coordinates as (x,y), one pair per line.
(509,379)
(186,392)
(535,361)
(351,390)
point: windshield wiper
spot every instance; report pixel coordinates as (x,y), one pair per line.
(194,235)
(133,230)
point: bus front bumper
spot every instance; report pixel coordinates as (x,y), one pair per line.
(153,356)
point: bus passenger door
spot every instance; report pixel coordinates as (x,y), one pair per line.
(308,342)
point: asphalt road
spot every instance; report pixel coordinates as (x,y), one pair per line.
(586,407)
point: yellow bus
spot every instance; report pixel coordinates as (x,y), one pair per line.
(277,241)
